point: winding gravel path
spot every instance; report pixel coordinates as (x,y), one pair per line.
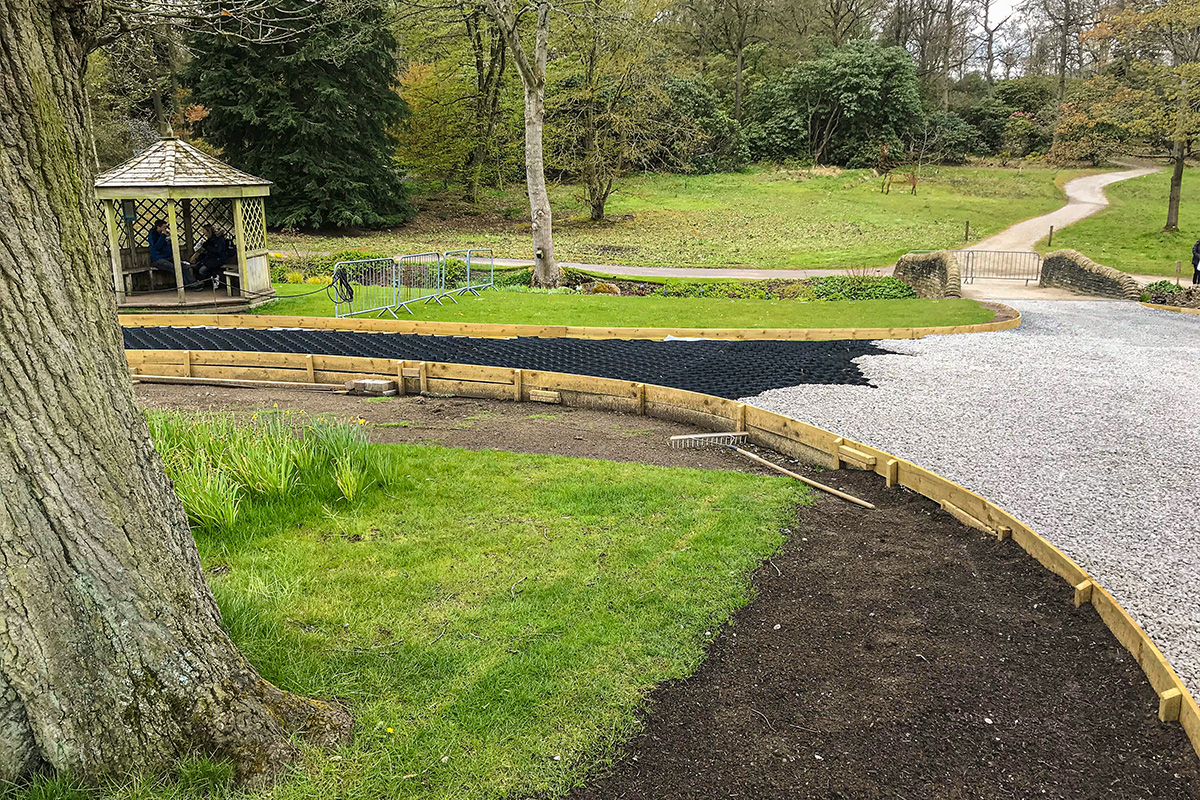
(1085,197)
(1084,422)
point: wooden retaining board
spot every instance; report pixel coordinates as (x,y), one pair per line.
(783,433)
(494,331)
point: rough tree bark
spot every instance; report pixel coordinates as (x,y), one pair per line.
(1179,150)
(533,78)
(112,655)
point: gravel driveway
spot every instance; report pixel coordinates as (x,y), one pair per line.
(1084,422)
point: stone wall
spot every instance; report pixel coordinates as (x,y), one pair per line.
(1069,269)
(933,275)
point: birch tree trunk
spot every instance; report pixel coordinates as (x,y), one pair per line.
(112,656)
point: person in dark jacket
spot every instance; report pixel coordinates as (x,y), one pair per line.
(213,254)
(161,256)
(1196,264)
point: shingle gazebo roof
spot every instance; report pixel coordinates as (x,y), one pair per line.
(174,168)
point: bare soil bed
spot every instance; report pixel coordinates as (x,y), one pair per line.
(892,653)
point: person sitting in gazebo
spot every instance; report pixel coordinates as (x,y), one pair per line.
(212,255)
(161,256)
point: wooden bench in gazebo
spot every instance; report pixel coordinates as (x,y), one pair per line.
(173,181)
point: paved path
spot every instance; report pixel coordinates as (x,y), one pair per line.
(1083,423)
(692,272)
(1085,197)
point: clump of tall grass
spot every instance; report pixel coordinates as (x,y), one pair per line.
(219,463)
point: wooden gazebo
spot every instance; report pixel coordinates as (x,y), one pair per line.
(172,180)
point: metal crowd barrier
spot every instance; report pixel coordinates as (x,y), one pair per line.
(1014,265)
(367,286)
(385,285)
(475,277)
(421,277)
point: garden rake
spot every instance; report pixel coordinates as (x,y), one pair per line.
(733,439)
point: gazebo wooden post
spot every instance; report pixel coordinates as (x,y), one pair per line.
(239,235)
(188,234)
(114,248)
(172,225)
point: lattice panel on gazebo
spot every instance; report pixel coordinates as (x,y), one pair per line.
(215,211)
(254,224)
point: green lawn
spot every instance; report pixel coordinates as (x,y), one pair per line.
(494,620)
(664,312)
(1128,235)
(765,218)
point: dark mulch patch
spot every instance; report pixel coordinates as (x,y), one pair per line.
(898,654)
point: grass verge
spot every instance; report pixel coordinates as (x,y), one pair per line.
(528,308)
(494,620)
(1129,236)
(766,218)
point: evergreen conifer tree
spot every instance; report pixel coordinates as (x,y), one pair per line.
(313,114)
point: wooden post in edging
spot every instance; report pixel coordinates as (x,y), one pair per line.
(424,377)
(518,385)
(308,367)
(1083,593)
(187,363)
(1050,238)
(1170,703)
(892,476)
(1003,532)
(741,418)
(400,378)
(641,399)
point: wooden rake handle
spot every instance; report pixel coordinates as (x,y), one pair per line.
(848,498)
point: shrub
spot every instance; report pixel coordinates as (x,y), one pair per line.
(705,139)
(518,277)
(1163,287)
(314,265)
(860,96)
(294,276)
(858,287)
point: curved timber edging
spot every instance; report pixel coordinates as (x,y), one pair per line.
(486,330)
(766,428)
(1176,309)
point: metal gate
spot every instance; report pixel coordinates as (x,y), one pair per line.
(1009,265)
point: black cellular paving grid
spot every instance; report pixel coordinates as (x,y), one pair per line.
(721,368)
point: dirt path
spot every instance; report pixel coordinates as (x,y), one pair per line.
(1085,197)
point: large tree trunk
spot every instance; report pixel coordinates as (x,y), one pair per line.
(1178,151)
(112,655)
(533,79)
(1178,154)
(545,267)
